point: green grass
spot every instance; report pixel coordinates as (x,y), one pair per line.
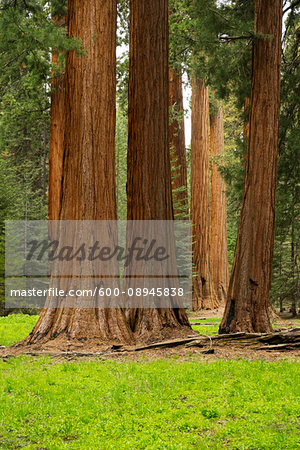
(209,329)
(168,404)
(162,404)
(217,320)
(202,329)
(15,327)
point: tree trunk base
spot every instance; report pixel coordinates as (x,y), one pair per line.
(95,329)
(63,328)
(244,320)
(279,341)
(152,325)
(207,303)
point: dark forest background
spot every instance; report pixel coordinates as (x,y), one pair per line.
(213,41)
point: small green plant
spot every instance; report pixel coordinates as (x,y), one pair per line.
(49,403)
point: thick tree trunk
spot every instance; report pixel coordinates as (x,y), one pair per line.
(86,181)
(203,294)
(248,294)
(57,129)
(219,252)
(149,174)
(246,127)
(45,160)
(177,146)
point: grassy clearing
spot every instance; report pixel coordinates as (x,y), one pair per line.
(15,327)
(202,329)
(210,329)
(216,320)
(207,329)
(166,404)
(161,404)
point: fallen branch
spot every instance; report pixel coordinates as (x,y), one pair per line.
(172,343)
(286,340)
(204,324)
(287,346)
(236,339)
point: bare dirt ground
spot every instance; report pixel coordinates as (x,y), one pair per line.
(182,353)
(206,314)
(208,351)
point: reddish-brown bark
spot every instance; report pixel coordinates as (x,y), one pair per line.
(246,127)
(203,293)
(88,170)
(57,129)
(177,146)
(149,175)
(219,252)
(247,307)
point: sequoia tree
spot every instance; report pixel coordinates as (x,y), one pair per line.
(248,294)
(246,127)
(87,184)
(177,145)
(57,129)
(219,253)
(149,191)
(203,293)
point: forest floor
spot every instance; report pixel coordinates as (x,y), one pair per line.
(163,399)
(16,327)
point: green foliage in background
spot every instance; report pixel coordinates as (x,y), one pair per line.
(286,275)
(203,40)
(27,34)
(285,290)
(121,163)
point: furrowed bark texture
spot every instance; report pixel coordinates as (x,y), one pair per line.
(149,174)
(177,146)
(57,129)
(248,294)
(88,170)
(203,294)
(246,128)
(219,252)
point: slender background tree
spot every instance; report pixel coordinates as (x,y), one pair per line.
(177,146)
(203,292)
(218,251)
